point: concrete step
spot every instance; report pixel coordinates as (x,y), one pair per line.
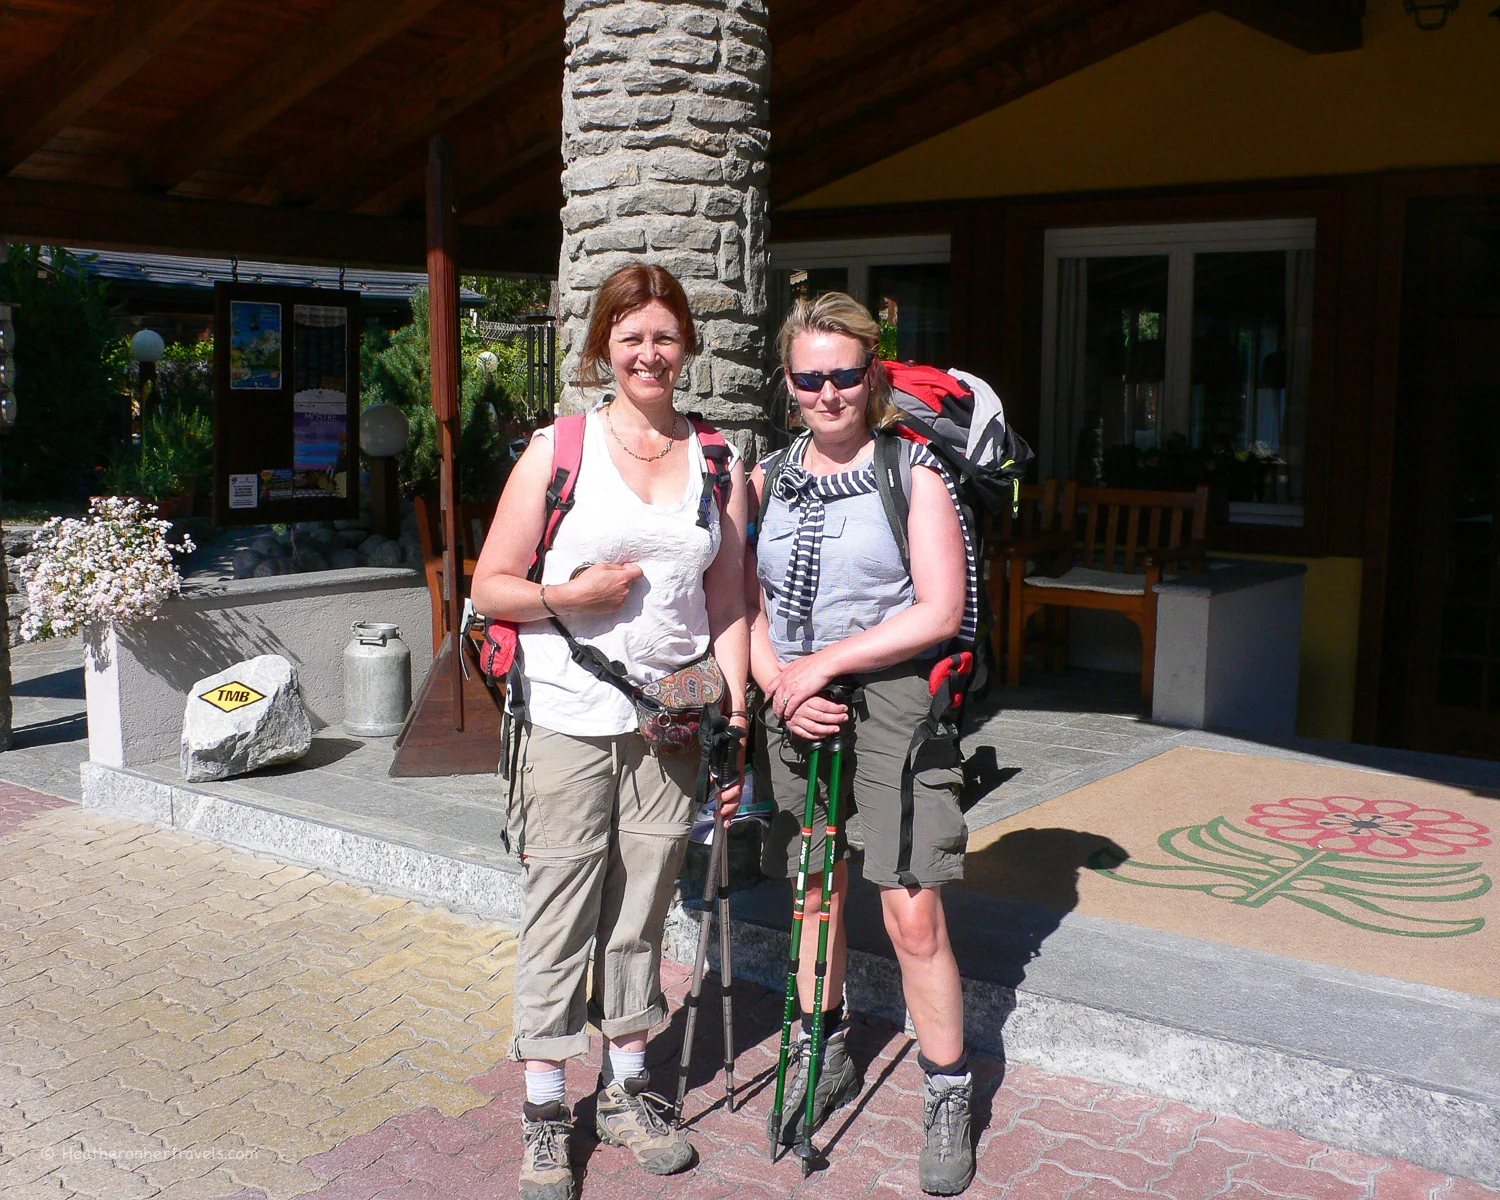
(1374,1064)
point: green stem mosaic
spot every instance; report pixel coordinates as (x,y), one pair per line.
(1385,896)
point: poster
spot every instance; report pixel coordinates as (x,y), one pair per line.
(254,346)
(243,491)
(320,404)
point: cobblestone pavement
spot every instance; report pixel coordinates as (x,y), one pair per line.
(190,1021)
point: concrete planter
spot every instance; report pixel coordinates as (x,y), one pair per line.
(138,676)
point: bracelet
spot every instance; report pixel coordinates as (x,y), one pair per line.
(547,606)
(736,712)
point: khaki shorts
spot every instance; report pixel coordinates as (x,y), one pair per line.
(603,826)
(895,701)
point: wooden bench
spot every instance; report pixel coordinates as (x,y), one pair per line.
(1112,548)
(1040,512)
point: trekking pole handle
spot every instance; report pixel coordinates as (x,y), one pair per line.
(724,756)
(843,692)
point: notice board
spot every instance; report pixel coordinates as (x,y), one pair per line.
(286,404)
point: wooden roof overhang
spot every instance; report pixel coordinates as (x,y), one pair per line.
(298,129)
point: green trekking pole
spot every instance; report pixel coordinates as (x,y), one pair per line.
(836,745)
(798,904)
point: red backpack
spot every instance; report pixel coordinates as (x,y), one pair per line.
(497,656)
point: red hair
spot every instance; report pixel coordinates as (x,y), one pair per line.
(631,287)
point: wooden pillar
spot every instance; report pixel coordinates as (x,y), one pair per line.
(442,312)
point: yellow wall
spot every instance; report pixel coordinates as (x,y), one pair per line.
(1215,100)
(1330,645)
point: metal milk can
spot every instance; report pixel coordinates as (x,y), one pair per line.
(377,680)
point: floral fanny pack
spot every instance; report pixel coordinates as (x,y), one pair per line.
(669,710)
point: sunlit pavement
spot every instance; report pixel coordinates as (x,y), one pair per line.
(185,1020)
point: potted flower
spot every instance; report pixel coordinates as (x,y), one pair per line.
(109,568)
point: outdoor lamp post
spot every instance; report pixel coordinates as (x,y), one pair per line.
(383,430)
(146,347)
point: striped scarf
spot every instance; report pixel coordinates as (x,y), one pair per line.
(807,494)
(799,489)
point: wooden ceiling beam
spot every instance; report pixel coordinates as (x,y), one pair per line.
(483,67)
(95,58)
(78,215)
(490,194)
(923,56)
(1317,26)
(965,71)
(529,198)
(865,39)
(793,25)
(329,45)
(487,152)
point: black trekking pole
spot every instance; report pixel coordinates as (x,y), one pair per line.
(723,761)
(799,904)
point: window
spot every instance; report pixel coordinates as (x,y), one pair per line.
(1178,354)
(904,281)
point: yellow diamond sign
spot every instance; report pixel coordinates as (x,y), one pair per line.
(229,696)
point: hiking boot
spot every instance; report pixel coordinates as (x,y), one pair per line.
(545,1171)
(838,1083)
(630,1116)
(947,1162)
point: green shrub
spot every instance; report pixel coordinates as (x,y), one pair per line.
(175,457)
(71,371)
(394,369)
(185,376)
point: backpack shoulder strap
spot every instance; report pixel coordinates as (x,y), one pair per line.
(567,457)
(893,482)
(770,468)
(716,478)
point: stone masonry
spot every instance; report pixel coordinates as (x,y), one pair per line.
(665,140)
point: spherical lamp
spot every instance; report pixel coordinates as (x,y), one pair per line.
(383,430)
(147,347)
(489,361)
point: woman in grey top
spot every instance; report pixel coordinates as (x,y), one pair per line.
(831,598)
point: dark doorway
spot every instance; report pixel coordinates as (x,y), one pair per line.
(1449,642)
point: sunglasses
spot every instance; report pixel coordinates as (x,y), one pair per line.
(813,381)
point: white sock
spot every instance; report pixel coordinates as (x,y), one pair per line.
(626,1064)
(543,1087)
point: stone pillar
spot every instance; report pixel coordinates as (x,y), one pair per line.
(665,140)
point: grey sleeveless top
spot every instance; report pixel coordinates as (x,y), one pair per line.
(861,578)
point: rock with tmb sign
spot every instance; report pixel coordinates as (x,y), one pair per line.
(244,718)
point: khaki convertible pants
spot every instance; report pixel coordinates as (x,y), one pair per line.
(602,827)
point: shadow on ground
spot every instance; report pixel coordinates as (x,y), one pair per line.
(60,685)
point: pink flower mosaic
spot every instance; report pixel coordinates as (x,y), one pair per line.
(1382,828)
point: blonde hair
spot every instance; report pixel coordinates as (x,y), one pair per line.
(837,312)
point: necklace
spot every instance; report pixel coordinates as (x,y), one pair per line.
(662,453)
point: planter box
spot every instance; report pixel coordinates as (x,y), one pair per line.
(138,677)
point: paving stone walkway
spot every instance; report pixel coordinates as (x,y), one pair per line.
(184,1020)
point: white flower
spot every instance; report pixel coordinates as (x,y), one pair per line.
(113,567)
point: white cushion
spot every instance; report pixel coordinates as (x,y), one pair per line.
(1090,579)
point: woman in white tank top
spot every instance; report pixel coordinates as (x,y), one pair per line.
(633,572)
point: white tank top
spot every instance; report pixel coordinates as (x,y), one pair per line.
(663,623)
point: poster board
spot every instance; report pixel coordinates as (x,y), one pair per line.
(286,404)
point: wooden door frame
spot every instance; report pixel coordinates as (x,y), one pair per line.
(1378,711)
